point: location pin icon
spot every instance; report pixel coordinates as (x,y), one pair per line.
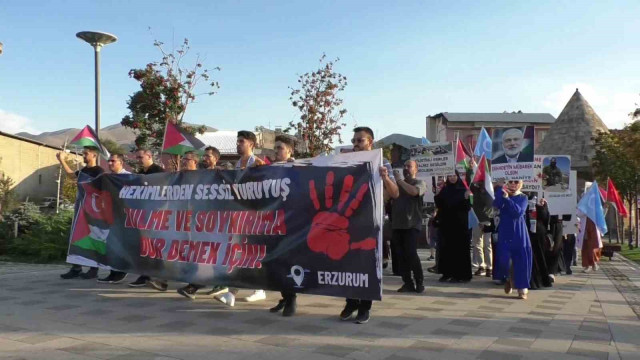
(297,273)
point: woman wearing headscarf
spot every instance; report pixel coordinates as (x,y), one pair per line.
(453,205)
(514,245)
(539,271)
(590,242)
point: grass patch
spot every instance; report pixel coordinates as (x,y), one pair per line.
(633,255)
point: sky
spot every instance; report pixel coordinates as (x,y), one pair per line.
(404,60)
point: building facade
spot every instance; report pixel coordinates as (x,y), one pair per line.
(32,166)
(466,126)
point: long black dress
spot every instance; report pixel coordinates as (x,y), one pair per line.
(539,271)
(455,242)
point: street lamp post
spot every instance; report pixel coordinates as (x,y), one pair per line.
(97,40)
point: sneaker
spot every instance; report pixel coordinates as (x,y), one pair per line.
(407,288)
(158,285)
(522,295)
(140,281)
(347,313)
(444,278)
(431,258)
(218,290)
(362,317)
(586,270)
(71,274)
(278,307)
(106,280)
(227,298)
(595,267)
(256,296)
(188,291)
(118,277)
(420,288)
(91,274)
(480,272)
(507,287)
(552,278)
(489,273)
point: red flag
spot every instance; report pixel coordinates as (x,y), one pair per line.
(97,204)
(614,197)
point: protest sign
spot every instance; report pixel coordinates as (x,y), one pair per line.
(433,159)
(556,170)
(534,184)
(312,226)
(563,203)
(513,157)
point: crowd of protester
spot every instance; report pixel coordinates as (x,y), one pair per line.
(515,241)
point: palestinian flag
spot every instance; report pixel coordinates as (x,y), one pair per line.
(613,196)
(88,137)
(462,162)
(177,141)
(482,174)
(88,237)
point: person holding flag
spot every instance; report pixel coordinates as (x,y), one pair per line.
(483,196)
(91,168)
(454,262)
(592,227)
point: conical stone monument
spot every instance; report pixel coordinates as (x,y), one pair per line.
(572,134)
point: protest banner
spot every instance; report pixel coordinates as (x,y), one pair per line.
(513,157)
(433,159)
(312,226)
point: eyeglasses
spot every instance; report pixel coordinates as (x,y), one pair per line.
(513,181)
(359,140)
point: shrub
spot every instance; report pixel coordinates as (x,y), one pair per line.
(46,239)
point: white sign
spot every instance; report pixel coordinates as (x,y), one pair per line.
(433,159)
(564,203)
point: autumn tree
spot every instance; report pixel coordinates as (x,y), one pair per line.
(321,110)
(167,88)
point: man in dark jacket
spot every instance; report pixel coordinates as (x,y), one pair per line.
(482,252)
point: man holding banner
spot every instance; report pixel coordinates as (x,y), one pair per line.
(363,141)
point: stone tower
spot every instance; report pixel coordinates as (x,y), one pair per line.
(572,134)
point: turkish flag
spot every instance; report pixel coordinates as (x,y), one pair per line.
(97,204)
(614,197)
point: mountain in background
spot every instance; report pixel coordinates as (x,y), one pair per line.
(117,133)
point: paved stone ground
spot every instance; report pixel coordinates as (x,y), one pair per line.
(582,316)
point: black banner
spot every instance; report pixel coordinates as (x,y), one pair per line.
(309,229)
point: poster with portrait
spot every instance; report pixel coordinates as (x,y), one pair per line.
(556,171)
(513,157)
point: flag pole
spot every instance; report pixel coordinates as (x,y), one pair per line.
(64,150)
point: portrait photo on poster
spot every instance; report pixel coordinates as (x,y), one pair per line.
(513,145)
(556,170)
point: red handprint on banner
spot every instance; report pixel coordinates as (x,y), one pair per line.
(329,228)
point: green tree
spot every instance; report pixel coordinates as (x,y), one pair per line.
(112,146)
(321,111)
(618,157)
(7,196)
(167,88)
